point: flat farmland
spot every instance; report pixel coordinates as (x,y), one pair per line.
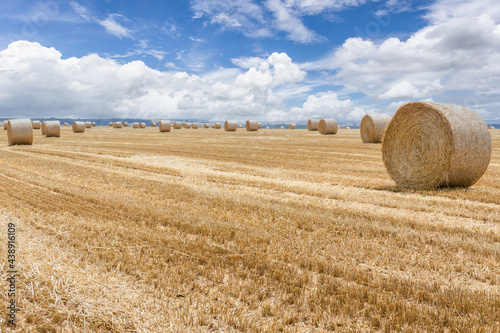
(132,230)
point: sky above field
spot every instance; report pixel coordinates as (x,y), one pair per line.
(274,60)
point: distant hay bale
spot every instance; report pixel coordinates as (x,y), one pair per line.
(260,125)
(281,127)
(347,127)
(312,124)
(194,126)
(135,125)
(218,125)
(66,124)
(125,124)
(291,126)
(206,125)
(230,126)
(20,132)
(5,125)
(78,127)
(491,127)
(177,125)
(328,126)
(44,123)
(372,127)
(430,145)
(240,126)
(142,125)
(117,124)
(164,126)
(36,124)
(153,124)
(252,125)
(111,123)
(88,124)
(94,124)
(267,127)
(52,128)
(186,125)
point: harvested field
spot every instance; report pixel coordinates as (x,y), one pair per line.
(268,231)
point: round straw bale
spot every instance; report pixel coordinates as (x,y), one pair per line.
(267,127)
(52,128)
(164,126)
(347,127)
(372,127)
(312,124)
(111,123)
(292,126)
(36,124)
(230,126)
(20,132)
(240,126)
(88,124)
(153,124)
(125,124)
(5,125)
(78,127)
(206,125)
(328,126)
(491,127)
(177,125)
(117,124)
(195,126)
(142,125)
(218,125)
(135,125)
(281,127)
(430,145)
(44,123)
(66,124)
(260,125)
(252,125)
(94,124)
(187,125)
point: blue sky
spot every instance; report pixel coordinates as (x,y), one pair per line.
(271,59)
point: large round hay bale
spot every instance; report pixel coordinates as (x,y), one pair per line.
(218,125)
(252,125)
(372,127)
(117,124)
(142,125)
(88,124)
(312,124)
(328,126)
(52,128)
(20,132)
(78,127)
(194,126)
(164,126)
(230,126)
(36,124)
(292,126)
(430,145)
(42,129)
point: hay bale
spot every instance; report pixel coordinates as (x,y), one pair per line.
(142,125)
(36,124)
(230,126)
(218,125)
(267,127)
(187,125)
(44,123)
(195,126)
(5,125)
(117,124)
(78,127)
(153,124)
(430,145)
(260,125)
(491,127)
(177,125)
(135,125)
(111,123)
(52,128)
(240,126)
(372,127)
(94,124)
(281,127)
(292,126)
(347,127)
(164,126)
(2,123)
(125,124)
(20,132)
(328,126)
(252,125)
(312,125)
(206,125)
(88,124)
(66,124)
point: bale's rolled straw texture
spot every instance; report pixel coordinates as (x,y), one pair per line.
(153,124)
(142,125)
(44,124)
(292,126)
(125,124)
(164,126)
(252,125)
(372,127)
(94,124)
(117,124)
(88,124)
(78,127)
(328,126)
(218,125)
(230,126)
(195,126)
(19,132)
(205,125)
(312,124)
(135,125)
(177,125)
(430,145)
(36,124)
(52,128)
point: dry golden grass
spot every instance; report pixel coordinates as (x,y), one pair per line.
(194,231)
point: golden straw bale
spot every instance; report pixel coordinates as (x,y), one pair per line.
(153,124)
(44,123)
(206,125)
(78,127)
(111,123)
(164,126)
(218,125)
(194,126)
(52,128)
(117,124)
(88,124)
(135,125)
(281,127)
(260,125)
(230,126)
(491,127)
(36,124)
(142,125)
(328,126)
(291,126)
(19,132)
(94,124)
(186,125)
(66,124)
(267,127)
(430,145)
(125,124)
(240,126)
(347,127)
(372,127)
(312,124)
(177,125)
(252,125)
